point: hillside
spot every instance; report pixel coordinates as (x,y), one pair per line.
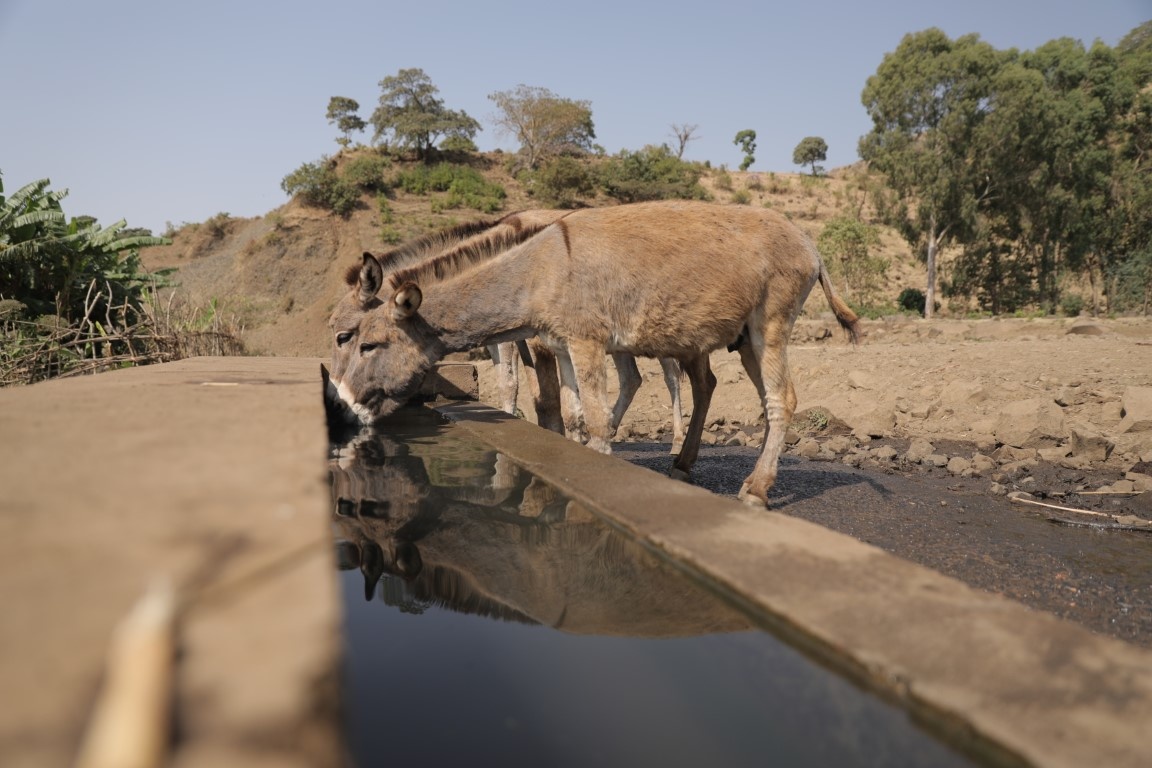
(279,274)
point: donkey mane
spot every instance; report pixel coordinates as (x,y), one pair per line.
(459,259)
(419,248)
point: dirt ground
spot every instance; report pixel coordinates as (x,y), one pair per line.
(1045,406)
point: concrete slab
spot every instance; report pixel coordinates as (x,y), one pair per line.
(1015,685)
(208,472)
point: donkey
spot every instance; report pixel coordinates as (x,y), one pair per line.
(660,279)
(557,406)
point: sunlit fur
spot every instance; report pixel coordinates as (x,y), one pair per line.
(666,279)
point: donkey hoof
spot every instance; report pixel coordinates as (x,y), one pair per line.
(750,498)
(678,474)
(676,448)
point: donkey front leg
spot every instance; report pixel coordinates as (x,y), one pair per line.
(587,360)
(507,378)
(703,384)
(629,376)
(543,383)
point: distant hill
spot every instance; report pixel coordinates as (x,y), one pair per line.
(280,274)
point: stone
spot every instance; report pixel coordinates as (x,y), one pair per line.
(958,465)
(962,392)
(1034,423)
(1089,445)
(918,450)
(1137,410)
(1053,455)
(884,453)
(936,460)
(839,445)
(1085,327)
(875,423)
(982,463)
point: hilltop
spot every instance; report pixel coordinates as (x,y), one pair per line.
(279,274)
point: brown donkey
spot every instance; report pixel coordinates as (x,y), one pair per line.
(665,279)
(557,407)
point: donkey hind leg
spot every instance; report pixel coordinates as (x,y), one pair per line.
(672,380)
(507,377)
(767,356)
(703,385)
(543,383)
(587,362)
(571,410)
(629,376)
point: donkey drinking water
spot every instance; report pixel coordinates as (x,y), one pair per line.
(663,279)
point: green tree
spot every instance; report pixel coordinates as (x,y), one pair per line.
(811,150)
(544,124)
(412,115)
(927,100)
(847,245)
(47,261)
(652,173)
(342,113)
(746,140)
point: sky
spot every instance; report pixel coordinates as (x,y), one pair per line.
(162,112)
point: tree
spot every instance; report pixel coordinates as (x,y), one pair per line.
(683,133)
(47,261)
(342,113)
(746,140)
(811,150)
(412,115)
(544,124)
(927,100)
(652,173)
(847,244)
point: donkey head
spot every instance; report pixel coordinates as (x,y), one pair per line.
(381,349)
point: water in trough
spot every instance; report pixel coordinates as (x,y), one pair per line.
(489,620)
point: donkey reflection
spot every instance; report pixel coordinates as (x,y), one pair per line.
(466,529)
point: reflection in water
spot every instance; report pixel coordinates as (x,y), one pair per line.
(438,535)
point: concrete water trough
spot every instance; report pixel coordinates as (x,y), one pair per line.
(209,474)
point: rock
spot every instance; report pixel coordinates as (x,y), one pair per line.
(708,438)
(1034,423)
(1052,454)
(918,450)
(1085,327)
(862,380)
(875,423)
(958,465)
(1140,481)
(936,460)
(737,439)
(1006,454)
(983,464)
(884,453)
(839,445)
(962,392)
(1137,410)
(1089,445)
(808,448)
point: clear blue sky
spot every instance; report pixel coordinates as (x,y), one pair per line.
(159,112)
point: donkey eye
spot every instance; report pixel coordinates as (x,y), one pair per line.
(343,338)
(366,348)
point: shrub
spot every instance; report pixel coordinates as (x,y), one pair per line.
(1071,304)
(912,300)
(722,179)
(318,184)
(466,187)
(741,197)
(561,182)
(653,173)
(367,171)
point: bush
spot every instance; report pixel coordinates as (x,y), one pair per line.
(318,184)
(653,173)
(1071,304)
(561,182)
(466,187)
(741,197)
(367,171)
(912,300)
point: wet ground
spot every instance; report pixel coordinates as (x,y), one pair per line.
(1100,578)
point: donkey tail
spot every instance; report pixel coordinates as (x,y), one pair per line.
(844,314)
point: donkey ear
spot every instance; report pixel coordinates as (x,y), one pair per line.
(371,278)
(406,301)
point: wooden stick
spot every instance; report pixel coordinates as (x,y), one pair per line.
(1019,500)
(130,721)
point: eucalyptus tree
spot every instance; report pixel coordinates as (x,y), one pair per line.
(342,112)
(927,100)
(413,116)
(746,140)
